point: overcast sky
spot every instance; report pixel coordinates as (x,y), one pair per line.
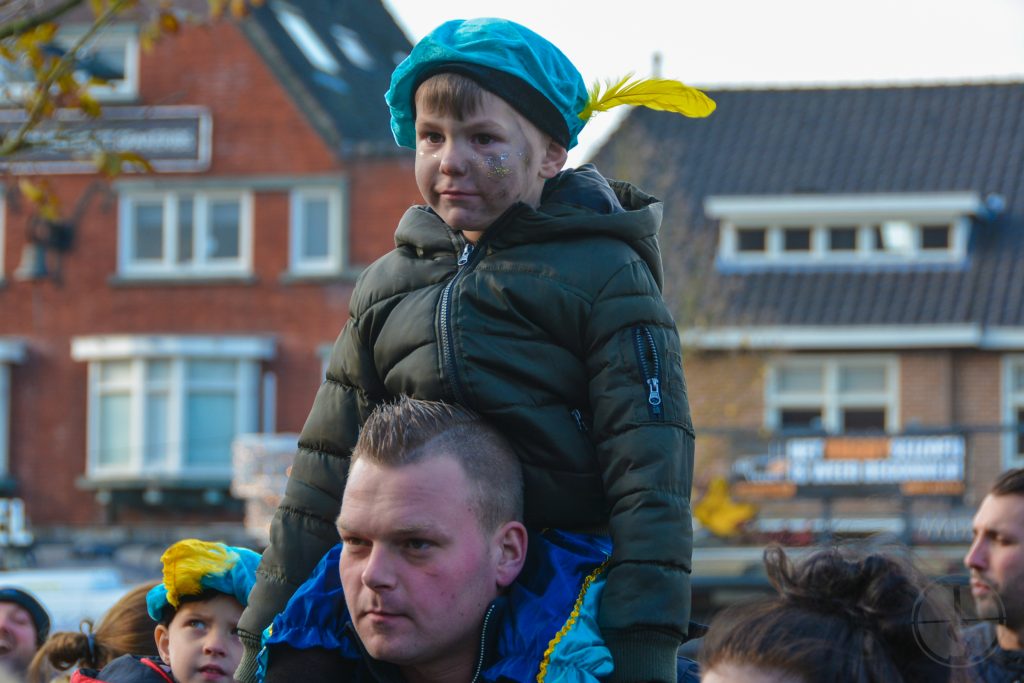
(744,42)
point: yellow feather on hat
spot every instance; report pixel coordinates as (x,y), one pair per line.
(187,562)
(662,94)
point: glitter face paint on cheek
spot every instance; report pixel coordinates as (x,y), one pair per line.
(496,168)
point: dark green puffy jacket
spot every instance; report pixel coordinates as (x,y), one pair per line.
(554,329)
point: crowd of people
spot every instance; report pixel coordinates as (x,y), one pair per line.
(438,579)
(493,483)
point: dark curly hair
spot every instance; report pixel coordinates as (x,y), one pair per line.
(842,615)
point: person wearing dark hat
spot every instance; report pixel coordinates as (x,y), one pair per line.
(531,295)
(24,626)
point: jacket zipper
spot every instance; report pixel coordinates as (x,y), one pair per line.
(581,424)
(650,369)
(483,643)
(447,335)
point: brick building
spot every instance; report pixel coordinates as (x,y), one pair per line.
(169,312)
(846,268)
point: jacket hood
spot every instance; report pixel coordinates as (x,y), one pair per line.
(576,203)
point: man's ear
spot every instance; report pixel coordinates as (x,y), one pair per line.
(162,636)
(510,544)
(554,159)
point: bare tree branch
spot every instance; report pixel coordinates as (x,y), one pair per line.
(16,28)
(16,141)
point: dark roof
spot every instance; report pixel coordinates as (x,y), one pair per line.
(347,107)
(836,141)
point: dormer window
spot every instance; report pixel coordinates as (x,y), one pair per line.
(831,230)
(110,59)
(306,38)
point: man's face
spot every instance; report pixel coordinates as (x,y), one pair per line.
(996,559)
(201,643)
(471,171)
(417,569)
(17,637)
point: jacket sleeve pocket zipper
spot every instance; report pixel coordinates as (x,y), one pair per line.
(650,369)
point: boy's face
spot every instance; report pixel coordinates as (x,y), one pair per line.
(201,643)
(471,171)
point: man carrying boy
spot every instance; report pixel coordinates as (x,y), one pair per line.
(530,295)
(435,579)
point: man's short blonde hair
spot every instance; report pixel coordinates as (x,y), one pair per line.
(410,431)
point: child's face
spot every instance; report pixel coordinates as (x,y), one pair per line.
(201,643)
(471,171)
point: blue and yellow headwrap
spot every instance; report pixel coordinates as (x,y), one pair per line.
(193,566)
(529,73)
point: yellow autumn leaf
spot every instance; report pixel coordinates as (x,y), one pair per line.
(169,22)
(97,6)
(217,8)
(149,34)
(137,160)
(239,9)
(50,212)
(31,191)
(67,83)
(6,53)
(89,105)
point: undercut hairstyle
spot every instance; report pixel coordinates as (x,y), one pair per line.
(842,615)
(1010,482)
(126,629)
(409,431)
(450,94)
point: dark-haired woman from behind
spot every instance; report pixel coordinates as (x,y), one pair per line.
(842,615)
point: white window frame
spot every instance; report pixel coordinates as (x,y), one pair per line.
(1012,400)
(200,266)
(334,261)
(247,352)
(829,398)
(863,212)
(11,351)
(124,90)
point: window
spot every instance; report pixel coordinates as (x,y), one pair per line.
(796,239)
(843,229)
(169,405)
(834,395)
(842,238)
(111,57)
(316,231)
(306,38)
(935,237)
(10,352)
(185,234)
(751,239)
(1013,410)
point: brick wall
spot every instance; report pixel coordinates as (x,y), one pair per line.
(257,130)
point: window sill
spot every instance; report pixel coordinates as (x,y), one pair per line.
(128,482)
(300,278)
(183,281)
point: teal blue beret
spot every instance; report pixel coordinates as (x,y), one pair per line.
(508,59)
(192,566)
